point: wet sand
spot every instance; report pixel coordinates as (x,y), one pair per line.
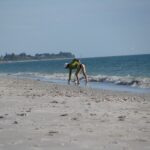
(36,115)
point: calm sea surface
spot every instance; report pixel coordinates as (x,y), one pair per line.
(127,72)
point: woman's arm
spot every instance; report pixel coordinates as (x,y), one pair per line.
(70,72)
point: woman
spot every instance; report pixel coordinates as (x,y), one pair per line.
(75,64)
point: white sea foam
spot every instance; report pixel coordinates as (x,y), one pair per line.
(43,76)
(142,82)
(122,80)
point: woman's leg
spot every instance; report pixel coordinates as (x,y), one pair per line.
(70,72)
(77,73)
(84,72)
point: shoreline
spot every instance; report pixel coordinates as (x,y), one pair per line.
(93,85)
(41,115)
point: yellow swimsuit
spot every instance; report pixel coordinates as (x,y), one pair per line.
(74,64)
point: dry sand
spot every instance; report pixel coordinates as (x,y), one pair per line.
(36,115)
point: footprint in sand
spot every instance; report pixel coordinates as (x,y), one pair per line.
(52,133)
(54,102)
(75,119)
(1,117)
(121,118)
(92,114)
(22,114)
(15,122)
(63,115)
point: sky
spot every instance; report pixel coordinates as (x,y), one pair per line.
(86,28)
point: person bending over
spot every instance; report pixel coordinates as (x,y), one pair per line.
(75,64)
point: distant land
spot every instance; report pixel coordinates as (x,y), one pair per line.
(24,56)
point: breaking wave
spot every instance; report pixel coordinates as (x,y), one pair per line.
(123,80)
(142,82)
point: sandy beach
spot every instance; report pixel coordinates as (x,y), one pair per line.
(37,115)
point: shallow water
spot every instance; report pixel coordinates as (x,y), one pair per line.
(127,73)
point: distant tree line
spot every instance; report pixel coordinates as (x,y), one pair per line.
(24,56)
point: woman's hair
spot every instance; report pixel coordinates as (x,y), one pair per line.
(66,65)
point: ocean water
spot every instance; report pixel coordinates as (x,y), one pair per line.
(126,73)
